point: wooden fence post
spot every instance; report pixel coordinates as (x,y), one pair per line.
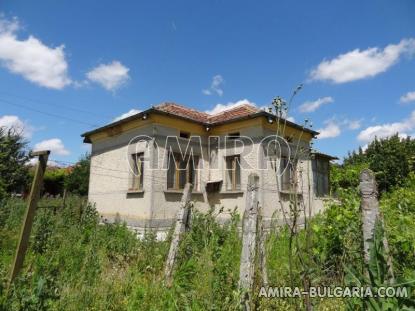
(182,224)
(30,213)
(369,207)
(249,240)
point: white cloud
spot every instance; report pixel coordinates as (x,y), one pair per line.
(408,97)
(19,126)
(127,114)
(55,145)
(358,64)
(30,58)
(353,124)
(388,129)
(222,107)
(330,130)
(291,119)
(33,161)
(215,86)
(311,106)
(110,76)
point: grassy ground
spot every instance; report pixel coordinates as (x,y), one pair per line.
(74,263)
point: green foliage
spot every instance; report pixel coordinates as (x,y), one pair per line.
(337,234)
(13,156)
(391,159)
(378,276)
(77,181)
(75,263)
(53,180)
(398,208)
(346,176)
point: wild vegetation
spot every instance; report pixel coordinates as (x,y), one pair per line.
(76,263)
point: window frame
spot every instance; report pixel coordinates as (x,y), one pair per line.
(234,135)
(137,173)
(287,166)
(184,134)
(321,177)
(232,175)
(190,171)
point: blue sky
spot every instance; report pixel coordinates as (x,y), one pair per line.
(66,66)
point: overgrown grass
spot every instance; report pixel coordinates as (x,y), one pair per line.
(75,263)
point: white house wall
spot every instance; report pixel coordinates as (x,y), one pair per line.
(156,207)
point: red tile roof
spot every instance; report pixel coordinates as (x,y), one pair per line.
(183,111)
(238,112)
(192,114)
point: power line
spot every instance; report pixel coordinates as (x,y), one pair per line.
(55,105)
(48,113)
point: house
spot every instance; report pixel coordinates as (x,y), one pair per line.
(140,164)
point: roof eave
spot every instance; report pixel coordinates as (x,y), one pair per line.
(86,135)
(292,124)
(107,126)
(324,155)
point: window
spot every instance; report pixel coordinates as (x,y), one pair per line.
(137,177)
(234,135)
(184,135)
(320,177)
(233,173)
(287,174)
(182,171)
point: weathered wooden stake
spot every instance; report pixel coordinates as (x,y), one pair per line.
(30,213)
(369,207)
(182,224)
(249,240)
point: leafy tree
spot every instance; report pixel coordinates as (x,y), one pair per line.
(13,157)
(346,176)
(392,159)
(77,181)
(54,179)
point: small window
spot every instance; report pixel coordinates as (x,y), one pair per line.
(287,174)
(137,177)
(182,171)
(233,173)
(289,139)
(184,135)
(320,177)
(234,135)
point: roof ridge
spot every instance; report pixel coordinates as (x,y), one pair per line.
(254,108)
(181,106)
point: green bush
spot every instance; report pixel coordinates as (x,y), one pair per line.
(76,263)
(77,181)
(398,208)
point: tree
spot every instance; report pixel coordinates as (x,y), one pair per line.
(54,179)
(14,175)
(77,181)
(391,159)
